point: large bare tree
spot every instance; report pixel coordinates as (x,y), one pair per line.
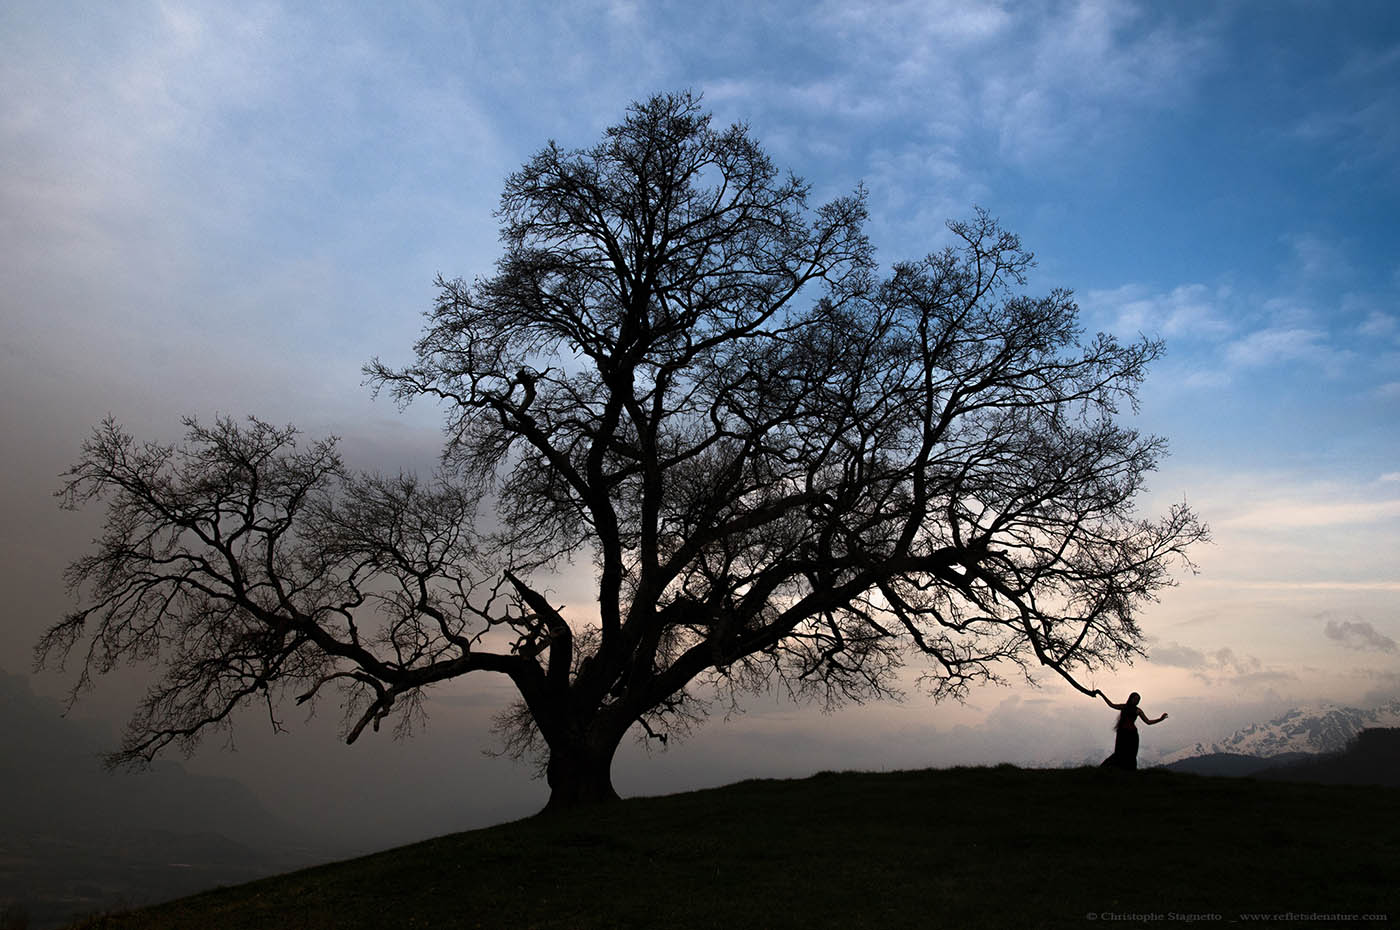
(781,467)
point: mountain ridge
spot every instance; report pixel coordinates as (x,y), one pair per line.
(74,838)
(1310,728)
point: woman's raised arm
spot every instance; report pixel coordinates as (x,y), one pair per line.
(1108,702)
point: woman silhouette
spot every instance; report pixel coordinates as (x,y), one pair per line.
(1125,745)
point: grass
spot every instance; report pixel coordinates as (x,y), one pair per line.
(998,847)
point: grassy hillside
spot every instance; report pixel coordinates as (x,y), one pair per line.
(994,847)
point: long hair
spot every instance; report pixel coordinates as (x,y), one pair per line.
(1127,717)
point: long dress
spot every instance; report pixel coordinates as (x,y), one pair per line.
(1125,746)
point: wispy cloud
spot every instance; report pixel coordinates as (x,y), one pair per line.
(204,185)
(1219,335)
(1292,513)
(1090,60)
(1178,656)
(1316,257)
(1284,585)
(1360,635)
(1379,325)
(1356,111)
(1039,79)
(1285,540)
(1280,345)
(1219,666)
(911,23)
(1187,311)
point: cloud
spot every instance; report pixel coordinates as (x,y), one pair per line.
(1218,666)
(1222,336)
(1379,325)
(1090,60)
(1178,656)
(1277,586)
(1280,345)
(1036,80)
(1312,512)
(1284,535)
(914,21)
(932,102)
(1227,658)
(1360,635)
(1228,335)
(1356,111)
(1225,666)
(1317,257)
(1188,311)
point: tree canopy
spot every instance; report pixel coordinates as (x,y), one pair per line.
(781,465)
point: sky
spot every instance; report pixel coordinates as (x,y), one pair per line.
(229,208)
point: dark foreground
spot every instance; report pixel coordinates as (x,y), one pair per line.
(999,847)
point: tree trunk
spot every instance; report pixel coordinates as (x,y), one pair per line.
(580,773)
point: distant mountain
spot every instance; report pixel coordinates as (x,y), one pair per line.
(1312,729)
(1372,758)
(52,780)
(1232,764)
(76,839)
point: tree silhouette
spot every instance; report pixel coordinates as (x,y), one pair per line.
(782,468)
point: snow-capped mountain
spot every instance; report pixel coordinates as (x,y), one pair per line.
(1314,728)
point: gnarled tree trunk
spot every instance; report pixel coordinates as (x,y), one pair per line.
(580,771)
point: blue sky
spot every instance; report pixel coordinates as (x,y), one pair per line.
(229,208)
